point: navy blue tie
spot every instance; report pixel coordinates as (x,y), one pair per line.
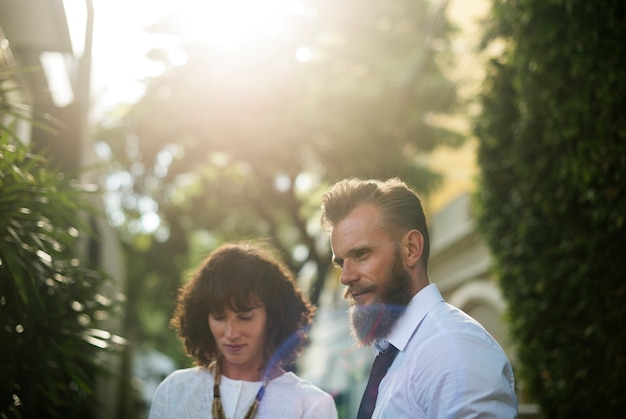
(381,364)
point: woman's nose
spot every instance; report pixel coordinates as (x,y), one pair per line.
(231,329)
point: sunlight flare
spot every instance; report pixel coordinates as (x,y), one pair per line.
(230,24)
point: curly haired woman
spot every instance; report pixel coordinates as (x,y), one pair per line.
(242,319)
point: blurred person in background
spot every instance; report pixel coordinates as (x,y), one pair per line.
(243,320)
(443,364)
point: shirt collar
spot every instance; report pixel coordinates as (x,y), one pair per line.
(381,345)
(406,325)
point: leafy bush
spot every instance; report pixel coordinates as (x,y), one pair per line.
(49,295)
(552,199)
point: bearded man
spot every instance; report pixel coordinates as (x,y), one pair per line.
(443,363)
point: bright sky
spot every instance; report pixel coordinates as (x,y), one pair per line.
(120,46)
(121,43)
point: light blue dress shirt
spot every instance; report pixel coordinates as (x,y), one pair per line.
(448,366)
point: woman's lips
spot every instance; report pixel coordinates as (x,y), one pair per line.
(233,349)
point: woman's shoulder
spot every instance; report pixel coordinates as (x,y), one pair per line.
(181,391)
(187,375)
(291,380)
(182,372)
(303,398)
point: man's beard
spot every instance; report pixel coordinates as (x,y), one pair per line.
(370,322)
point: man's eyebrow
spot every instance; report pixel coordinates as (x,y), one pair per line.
(351,253)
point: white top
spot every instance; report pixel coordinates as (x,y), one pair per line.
(448,366)
(188,393)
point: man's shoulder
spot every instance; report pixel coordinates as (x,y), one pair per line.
(448,318)
(448,328)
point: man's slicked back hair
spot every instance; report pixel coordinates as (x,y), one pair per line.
(400,207)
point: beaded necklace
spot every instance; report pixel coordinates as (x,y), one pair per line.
(218,410)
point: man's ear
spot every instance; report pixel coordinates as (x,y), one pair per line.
(413,247)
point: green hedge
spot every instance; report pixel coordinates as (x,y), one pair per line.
(552,197)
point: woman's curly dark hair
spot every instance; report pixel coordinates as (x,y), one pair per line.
(239,277)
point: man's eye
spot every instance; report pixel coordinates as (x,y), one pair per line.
(360,254)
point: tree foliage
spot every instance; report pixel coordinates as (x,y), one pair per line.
(552,198)
(50,300)
(237,145)
(50,292)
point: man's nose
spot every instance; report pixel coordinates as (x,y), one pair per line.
(348,273)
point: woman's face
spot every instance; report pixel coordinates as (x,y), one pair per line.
(241,337)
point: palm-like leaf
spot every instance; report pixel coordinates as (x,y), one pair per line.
(49,301)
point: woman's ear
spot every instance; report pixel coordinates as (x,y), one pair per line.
(413,247)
